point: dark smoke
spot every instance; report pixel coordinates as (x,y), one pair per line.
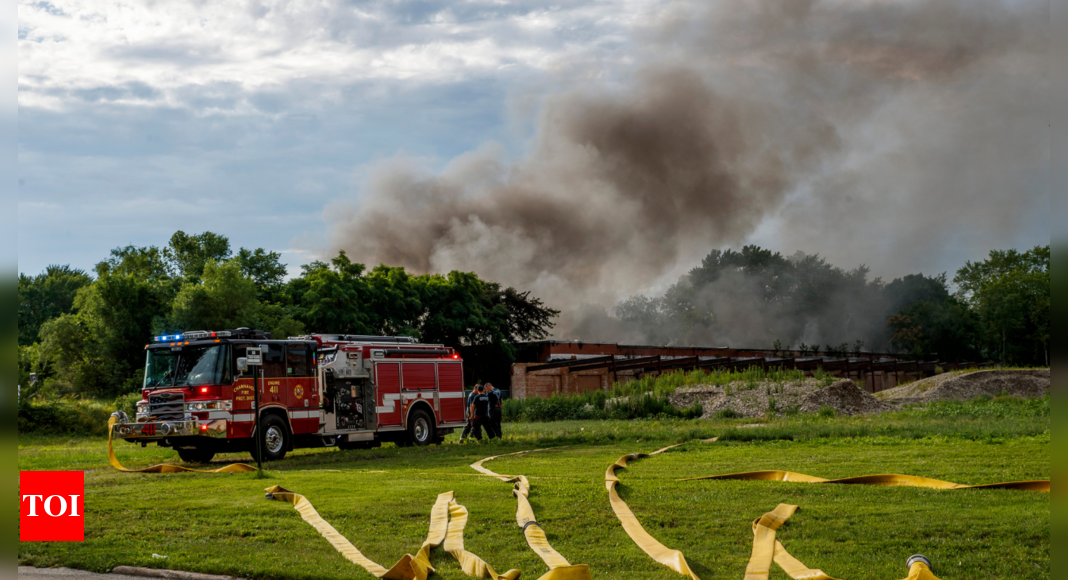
(615,185)
(843,128)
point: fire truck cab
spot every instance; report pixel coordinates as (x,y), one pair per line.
(319,390)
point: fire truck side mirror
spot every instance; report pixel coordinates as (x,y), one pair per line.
(242,364)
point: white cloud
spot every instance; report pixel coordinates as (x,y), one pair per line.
(246,117)
(67,46)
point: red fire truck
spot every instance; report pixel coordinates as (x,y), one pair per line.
(320,390)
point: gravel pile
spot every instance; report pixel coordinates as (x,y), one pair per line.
(758,399)
(846,398)
(958,386)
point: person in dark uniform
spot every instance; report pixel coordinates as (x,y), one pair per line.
(494,395)
(467,409)
(480,414)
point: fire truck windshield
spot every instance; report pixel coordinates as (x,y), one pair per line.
(191,366)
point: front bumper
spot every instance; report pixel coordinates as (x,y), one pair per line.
(158,430)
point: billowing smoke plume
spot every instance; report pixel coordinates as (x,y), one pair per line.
(865,131)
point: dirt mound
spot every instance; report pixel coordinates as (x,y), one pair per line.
(845,397)
(760,399)
(970,385)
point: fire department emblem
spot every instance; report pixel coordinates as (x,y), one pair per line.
(298,392)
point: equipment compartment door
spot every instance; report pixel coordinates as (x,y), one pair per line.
(451,391)
(387,394)
(419,376)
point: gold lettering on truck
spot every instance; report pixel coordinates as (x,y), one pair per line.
(243,393)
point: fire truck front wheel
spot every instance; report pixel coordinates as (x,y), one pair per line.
(275,440)
(420,428)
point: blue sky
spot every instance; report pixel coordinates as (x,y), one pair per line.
(267,120)
(247,118)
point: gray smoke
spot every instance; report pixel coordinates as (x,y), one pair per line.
(865,131)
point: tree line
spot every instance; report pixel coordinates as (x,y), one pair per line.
(85,333)
(996,309)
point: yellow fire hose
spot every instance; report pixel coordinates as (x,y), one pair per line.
(447,521)
(559,567)
(671,558)
(167,467)
(766,548)
(885,479)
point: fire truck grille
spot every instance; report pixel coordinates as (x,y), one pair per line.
(166,406)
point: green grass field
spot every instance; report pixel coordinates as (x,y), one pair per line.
(380,499)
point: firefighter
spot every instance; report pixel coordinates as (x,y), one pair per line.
(470,418)
(494,395)
(480,414)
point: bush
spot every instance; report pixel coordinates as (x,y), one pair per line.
(997,408)
(70,416)
(827,411)
(594,405)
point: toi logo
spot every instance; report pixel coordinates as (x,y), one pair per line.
(52,506)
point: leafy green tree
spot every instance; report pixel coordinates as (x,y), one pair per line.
(98,349)
(331,297)
(908,290)
(190,254)
(46,296)
(149,263)
(754,295)
(265,269)
(926,321)
(522,316)
(456,309)
(946,330)
(228,298)
(120,313)
(68,353)
(1010,291)
(394,303)
(653,315)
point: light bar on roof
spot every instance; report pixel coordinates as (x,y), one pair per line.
(193,335)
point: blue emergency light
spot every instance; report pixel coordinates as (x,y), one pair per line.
(168,338)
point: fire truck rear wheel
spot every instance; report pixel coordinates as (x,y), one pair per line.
(196,455)
(420,428)
(275,440)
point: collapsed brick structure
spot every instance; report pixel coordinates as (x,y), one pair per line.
(576,367)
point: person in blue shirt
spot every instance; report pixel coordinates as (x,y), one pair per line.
(467,410)
(495,397)
(480,415)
